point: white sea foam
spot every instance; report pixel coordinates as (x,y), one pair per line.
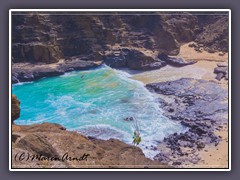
(97,106)
(22,83)
(103,131)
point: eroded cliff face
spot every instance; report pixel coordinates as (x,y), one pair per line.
(47,38)
(41,37)
(214,36)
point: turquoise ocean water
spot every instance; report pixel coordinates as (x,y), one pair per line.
(95,103)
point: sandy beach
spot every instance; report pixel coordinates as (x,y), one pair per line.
(203,69)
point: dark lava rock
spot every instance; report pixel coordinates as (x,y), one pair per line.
(115,62)
(197,99)
(193,45)
(200,145)
(14,79)
(134,59)
(116,58)
(176,163)
(219,76)
(170,110)
(139,61)
(226,76)
(77,64)
(222,65)
(221,71)
(162,158)
(161,103)
(128,119)
(173,61)
(199,105)
(31,72)
(195,160)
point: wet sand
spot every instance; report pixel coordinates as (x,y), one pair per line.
(212,156)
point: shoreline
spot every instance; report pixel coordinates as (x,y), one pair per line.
(201,70)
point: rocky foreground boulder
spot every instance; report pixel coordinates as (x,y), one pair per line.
(15,108)
(44,144)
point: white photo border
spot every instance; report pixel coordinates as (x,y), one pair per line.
(120,10)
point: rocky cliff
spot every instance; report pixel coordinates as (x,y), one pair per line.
(48,37)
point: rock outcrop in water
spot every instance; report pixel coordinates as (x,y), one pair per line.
(117,39)
(51,145)
(200,105)
(15,108)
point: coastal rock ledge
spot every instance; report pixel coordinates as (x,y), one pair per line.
(200,105)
